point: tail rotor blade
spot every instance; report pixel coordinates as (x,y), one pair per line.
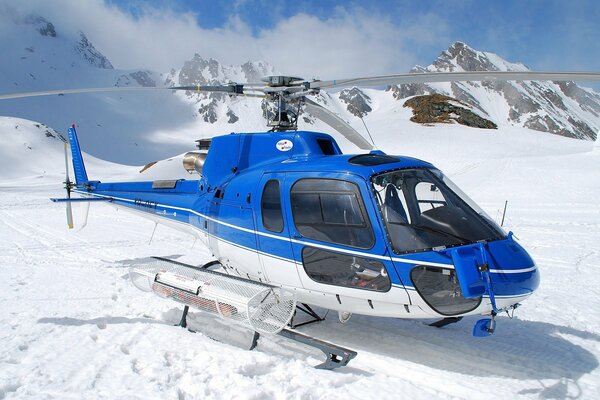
(68,187)
(85,219)
(67,168)
(69,215)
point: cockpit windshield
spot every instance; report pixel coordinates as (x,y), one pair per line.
(423,210)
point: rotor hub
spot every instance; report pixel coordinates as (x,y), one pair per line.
(282,80)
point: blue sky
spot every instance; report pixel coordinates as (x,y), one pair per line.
(542,34)
(332,39)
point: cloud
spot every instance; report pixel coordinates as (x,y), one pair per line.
(348,43)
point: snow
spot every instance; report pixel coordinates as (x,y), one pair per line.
(73,326)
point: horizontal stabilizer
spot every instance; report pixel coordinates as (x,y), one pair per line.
(81,200)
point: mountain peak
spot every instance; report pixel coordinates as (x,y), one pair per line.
(458,47)
(461,57)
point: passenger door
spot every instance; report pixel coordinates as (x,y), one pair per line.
(275,248)
(337,239)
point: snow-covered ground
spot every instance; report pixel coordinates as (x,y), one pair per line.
(73,326)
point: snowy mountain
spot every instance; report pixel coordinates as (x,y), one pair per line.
(561,108)
(40,55)
(30,149)
(136,129)
(215,107)
(32,152)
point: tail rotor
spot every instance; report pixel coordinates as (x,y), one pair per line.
(68,185)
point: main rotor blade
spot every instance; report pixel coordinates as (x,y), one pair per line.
(338,124)
(76,91)
(229,88)
(431,77)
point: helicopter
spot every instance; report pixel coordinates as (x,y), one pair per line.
(292,222)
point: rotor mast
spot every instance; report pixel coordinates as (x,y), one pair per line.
(286,93)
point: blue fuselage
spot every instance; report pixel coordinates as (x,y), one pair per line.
(289,209)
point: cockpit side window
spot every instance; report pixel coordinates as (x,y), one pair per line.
(270,205)
(331,210)
(394,205)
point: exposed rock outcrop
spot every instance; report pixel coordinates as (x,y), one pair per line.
(437,108)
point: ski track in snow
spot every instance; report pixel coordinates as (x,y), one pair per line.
(72,326)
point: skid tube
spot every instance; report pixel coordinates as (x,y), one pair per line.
(336,356)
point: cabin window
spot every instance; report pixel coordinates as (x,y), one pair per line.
(331,211)
(441,290)
(340,269)
(272,216)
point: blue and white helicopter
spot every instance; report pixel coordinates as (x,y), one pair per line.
(371,233)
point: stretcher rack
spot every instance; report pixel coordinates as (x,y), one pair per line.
(262,308)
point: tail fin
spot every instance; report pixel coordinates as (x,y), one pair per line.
(81,177)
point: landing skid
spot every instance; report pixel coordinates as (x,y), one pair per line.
(336,356)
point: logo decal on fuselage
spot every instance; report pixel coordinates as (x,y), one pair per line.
(284,145)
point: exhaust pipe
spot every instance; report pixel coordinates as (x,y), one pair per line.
(194,160)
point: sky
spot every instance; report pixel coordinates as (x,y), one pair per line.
(329,39)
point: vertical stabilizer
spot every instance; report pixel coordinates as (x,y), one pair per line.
(78,165)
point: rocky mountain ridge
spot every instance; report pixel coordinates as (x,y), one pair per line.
(562,108)
(212,107)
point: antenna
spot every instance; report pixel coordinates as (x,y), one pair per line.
(369,132)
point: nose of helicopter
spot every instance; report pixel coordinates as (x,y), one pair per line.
(513,271)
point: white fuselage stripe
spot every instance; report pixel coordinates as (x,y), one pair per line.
(513,271)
